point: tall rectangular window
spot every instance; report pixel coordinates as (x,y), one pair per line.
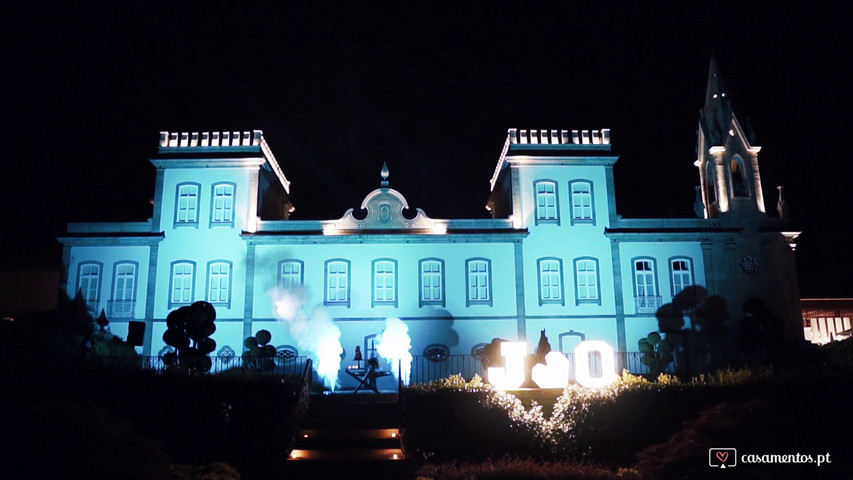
(183,281)
(644,275)
(432,282)
(337,282)
(681,273)
(385,282)
(219,282)
(547,210)
(646,297)
(290,274)
(586,281)
(582,207)
(89,285)
(550,281)
(479,281)
(186,204)
(124,281)
(124,285)
(222,211)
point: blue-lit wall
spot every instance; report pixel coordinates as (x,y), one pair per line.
(513,248)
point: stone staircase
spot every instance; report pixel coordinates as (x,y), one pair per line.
(350,436)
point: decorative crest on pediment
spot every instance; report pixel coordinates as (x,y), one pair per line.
(384,211)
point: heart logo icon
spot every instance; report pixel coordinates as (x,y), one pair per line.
(723,456)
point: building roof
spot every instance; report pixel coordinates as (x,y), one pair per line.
(227,146)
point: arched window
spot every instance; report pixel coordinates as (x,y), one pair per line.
(587,288)
(740,186)
(285,353)
(337,282)
(385,282)
(583,210)
(550,280)
(222,204)
(478,278)
(124,290)
(186,204)
(711,180)
(437,353)
(89,285)
(219,282)
(478,350)
(646,297)
(681,273)
(290,274)
(182,279)
(431,281)
(547,203)
(227,354)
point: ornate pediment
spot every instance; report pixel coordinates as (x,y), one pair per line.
(384,211)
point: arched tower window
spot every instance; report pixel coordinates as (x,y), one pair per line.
(739,184)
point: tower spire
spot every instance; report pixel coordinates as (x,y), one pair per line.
(717,112)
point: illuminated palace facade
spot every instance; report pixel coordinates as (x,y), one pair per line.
(554,255)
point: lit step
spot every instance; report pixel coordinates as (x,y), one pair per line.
(350,434)
(389,454)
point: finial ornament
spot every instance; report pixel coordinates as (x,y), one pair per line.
(781,204)
(384,173)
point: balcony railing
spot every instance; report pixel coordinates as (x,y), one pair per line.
(121,308)
(647,303)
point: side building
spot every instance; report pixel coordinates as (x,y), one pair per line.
(554,255)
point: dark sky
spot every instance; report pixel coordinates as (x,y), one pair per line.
(340,87)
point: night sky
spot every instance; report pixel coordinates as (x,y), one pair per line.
(341,87)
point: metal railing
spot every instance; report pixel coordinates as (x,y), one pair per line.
(647,303)
(120,308)
(425,370)
(268,366)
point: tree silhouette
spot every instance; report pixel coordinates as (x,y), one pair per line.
(188,330)
(707,315)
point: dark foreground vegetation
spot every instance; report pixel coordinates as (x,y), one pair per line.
(66,416)
(638,428)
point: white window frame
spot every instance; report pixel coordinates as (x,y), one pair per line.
(182,282)
(187,201)
(550,272)
(582,202)
(219,282)
(680,278)
(431,281)
(337,282)
(478,281)
(222,197)
(294,277)
(384,284)
(89,279)
(587,282)
(547,202)
(645,278)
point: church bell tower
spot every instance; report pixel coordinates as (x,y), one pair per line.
(728,163)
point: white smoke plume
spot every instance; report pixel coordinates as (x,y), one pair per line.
(395,345)
(316,335)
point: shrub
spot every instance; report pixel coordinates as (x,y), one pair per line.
(454,419)
(522,469)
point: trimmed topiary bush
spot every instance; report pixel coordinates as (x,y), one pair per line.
(260,354)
